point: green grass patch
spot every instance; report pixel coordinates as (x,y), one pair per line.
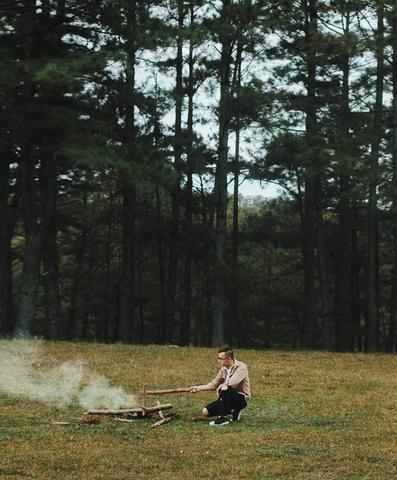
(313,416)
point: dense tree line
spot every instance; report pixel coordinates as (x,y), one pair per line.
(127,127)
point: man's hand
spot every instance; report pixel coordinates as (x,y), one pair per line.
(193,389)
(224,386)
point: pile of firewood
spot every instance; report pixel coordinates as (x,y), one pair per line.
(128,414)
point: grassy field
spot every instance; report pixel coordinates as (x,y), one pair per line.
(313,416)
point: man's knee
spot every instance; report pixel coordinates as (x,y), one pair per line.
(206,412)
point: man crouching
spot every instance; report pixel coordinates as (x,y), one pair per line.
(233,386)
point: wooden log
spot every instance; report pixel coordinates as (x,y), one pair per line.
(143,400)
(161,414)
(168,390)
(131,415)
(164,406)
(163,419)
(161,422)
(126,420)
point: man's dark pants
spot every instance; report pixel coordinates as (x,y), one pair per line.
(229,400)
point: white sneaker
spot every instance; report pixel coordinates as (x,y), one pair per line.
(220,422)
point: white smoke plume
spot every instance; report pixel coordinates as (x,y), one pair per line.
(24,371)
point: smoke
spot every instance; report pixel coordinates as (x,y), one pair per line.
(24,371)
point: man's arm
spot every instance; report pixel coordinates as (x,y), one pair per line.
(212,385)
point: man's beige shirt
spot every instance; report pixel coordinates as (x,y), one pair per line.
(238,379)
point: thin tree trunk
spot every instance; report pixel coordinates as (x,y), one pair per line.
(309,235)
(107,320)
(159,336)
(31,257)
(88,317)
(237,333)
(391,340)
(187,292)
(178,143)
(355,285)
(127,280)
(343,320)
(76,311)
(326,341)
(220,191)
(50,275)
(30,277)
(162,314)
(204,322)
(372,278)
(7,220)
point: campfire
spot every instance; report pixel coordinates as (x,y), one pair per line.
(129,414)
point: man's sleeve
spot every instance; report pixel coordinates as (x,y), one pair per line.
(214,384)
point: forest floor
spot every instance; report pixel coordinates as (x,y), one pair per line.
(313,415)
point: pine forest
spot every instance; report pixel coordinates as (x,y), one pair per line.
(127,130)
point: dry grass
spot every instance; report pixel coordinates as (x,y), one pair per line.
(313,416)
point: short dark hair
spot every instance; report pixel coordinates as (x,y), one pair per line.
(228,351)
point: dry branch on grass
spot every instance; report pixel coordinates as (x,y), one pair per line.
(91,420)
(126,420)
(163,419)
(123,411)
(161,422)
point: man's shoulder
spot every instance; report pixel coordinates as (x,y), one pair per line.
(241,364)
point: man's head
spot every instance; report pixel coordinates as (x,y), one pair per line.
(225,356)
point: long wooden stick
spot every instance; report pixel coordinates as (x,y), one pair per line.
(143,400)
(164,406)
(168,390)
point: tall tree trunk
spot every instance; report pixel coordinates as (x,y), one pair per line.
(220,188)
(355,284)
(372,277)
(326,341)
(205,320)
(30,277)
(237,333)
(187,276)
(391,340)
(50,275)
(127,280)
(176,193)
(162,314)
(309,330)
(343,322)
(31,257)
(7,220)
(107,317)
(77,304)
